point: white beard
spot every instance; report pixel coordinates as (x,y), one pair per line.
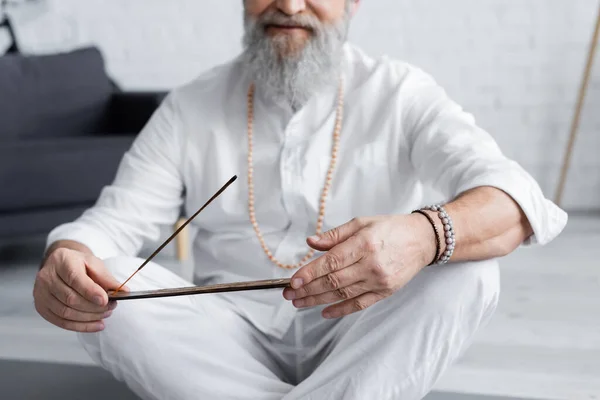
(294,79)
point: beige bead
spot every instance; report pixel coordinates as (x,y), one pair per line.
(328,180)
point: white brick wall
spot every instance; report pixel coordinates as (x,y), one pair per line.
(515,64)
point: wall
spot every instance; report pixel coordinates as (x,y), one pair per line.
(515,64)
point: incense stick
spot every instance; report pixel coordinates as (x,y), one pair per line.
(162,246)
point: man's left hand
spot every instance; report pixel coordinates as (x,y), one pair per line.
(366,260)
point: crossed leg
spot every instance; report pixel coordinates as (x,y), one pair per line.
(182,348)
(398,348)
(198,347)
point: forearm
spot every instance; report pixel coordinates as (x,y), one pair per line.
(488,223)
(65,244)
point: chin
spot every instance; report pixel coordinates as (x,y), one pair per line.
(288,47)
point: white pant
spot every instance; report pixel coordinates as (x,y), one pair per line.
(199,347)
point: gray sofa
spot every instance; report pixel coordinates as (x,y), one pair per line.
(64,127)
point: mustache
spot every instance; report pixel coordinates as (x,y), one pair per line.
(278,18)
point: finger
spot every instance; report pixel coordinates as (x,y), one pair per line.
(65,312)
(335,236)
(351,306)
(70,298)
(328,283)
(341,294)
(73,273)
(339,257)
(74,326)
(102,276)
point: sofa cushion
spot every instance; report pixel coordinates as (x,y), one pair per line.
(58,173)
(37,222)
(52,95)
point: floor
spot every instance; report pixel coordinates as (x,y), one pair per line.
(68,382)
(543,343)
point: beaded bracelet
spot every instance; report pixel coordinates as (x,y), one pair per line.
(438,245)
(448,232)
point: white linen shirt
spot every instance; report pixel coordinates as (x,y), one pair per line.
(401,133)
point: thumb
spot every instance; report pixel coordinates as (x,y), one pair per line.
(102,276)
(327,240)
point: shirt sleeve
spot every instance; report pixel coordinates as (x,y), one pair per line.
(453,155)
(145,194)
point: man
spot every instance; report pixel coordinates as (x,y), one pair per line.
(327,140)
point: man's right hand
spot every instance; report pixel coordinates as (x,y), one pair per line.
(70,291)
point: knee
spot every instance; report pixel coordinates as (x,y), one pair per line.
(472,287)
(115,348)
(483,280)
(124,335)
(91,344)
